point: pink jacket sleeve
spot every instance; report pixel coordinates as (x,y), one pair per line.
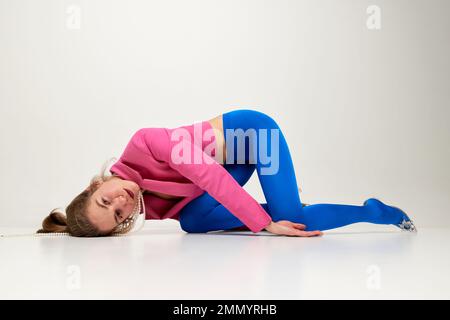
(212,177)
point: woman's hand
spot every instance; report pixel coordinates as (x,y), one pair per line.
(288,228)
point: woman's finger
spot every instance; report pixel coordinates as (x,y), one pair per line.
(311,233)
(300,233)
(292,224)
(299,226)
(291,231)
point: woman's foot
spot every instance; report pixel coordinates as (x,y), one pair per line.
(385,214)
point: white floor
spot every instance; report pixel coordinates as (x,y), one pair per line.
(360,261)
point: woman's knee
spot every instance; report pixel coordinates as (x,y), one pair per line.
(260,116)
(185,222)
(188,223)
(265,120)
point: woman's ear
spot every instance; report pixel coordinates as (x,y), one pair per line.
(95,183)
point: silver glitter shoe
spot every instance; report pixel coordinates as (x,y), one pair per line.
(406,224)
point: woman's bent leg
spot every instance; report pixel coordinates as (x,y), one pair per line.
(276,173)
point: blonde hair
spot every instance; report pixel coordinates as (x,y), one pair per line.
(75,222)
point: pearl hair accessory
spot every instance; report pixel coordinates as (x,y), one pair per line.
(139,208)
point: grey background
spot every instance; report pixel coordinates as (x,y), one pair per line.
(365,112)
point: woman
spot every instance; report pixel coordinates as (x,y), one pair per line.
(195,174)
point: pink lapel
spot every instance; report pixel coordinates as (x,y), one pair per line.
(168,187)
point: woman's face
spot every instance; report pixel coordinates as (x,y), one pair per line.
(111,203)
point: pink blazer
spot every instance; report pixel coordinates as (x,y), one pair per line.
(154,160)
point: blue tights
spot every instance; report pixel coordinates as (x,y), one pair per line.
(204,213)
